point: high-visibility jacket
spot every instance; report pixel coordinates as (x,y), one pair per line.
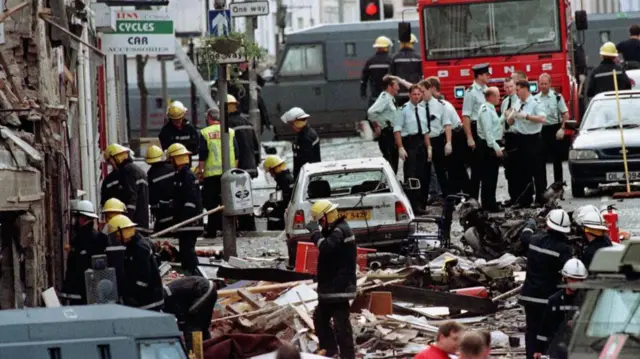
(213,136)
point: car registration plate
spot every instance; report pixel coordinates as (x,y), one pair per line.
(619,176)
(356,214)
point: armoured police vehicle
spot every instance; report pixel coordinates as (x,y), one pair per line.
(100,331)
(612,27)
(609,318)
(320,72)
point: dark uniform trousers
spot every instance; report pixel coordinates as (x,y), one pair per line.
(387,145)
(475,162)
(440,164)
(530,169)
(458,175)
(211,198)
(510,163)
(491,169)
(416,166)
(343,335)
(553,149)
(534,313)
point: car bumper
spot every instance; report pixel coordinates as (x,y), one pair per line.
(381,237)
(595,171)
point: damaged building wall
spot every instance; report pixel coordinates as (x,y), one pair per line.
(38,98)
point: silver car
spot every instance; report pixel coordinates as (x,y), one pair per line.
(367,193)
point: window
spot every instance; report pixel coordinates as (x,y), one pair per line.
(604,36)
(289,19)
(312,22)
(491,29)
(161,350)
(350,49)
(617,311)
(338,184)
(300,23)
(604,114)
(159,102)
(303,60)
(409,2)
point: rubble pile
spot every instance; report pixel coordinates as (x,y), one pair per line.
(397,311)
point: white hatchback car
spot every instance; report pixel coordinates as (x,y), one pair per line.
(367,193)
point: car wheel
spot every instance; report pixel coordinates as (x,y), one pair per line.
(577,189)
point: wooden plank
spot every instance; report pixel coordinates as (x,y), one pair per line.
(249,298)
(304,316)
(262,289)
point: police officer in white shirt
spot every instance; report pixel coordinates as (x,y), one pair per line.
(527,118)
(510,140)
(455,147)
(553,129)
(473,99)
(411,132)
(490,132)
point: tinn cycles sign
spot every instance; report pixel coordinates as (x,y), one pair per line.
(141,32)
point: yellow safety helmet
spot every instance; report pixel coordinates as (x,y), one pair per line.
(271,162)
(382,42)
(179,154)
(609,49)
(121,223)
(176,110)
(154,154)
(231,99)
(114,205)
(322,207)
(113,150)
(414,39)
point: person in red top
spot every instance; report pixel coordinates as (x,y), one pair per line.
(446,342)
(472,346)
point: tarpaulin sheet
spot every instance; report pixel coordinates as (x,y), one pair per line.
(240,346)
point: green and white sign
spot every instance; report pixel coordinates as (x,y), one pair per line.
(142,32)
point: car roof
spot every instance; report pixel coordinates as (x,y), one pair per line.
(611,95)
(351,164)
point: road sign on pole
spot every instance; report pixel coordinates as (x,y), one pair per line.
(219,22)
(254,8)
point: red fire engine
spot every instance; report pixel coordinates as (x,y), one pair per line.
(527,35)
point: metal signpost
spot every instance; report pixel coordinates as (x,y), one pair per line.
(141,32)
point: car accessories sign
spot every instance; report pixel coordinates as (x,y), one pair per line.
(141,32)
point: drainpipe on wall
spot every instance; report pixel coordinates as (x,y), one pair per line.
(112,101)
(82,120)
(90,126)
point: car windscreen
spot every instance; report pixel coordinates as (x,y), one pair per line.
(345,183)
(491,28)
(603,114)
(617,311)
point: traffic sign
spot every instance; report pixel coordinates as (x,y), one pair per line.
(254,8)
(219,22)
(235,58)
(141,32)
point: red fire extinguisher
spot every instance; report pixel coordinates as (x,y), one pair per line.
(611,218)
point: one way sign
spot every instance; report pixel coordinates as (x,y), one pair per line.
(219,22)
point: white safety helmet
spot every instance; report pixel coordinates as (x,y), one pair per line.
(594,220)
(84,208)
(579,214)
(574,268)
(295,113)
(558,220)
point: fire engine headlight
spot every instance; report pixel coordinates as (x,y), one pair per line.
(458,91)
(583,155)
(533,86)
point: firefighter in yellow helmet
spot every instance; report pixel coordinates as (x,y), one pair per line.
(142,287)
(110,186)
(178,129)
(210,167)
(376,67)
(160,175)
(248,151)
(186,204)
(274,211)
(406,64)
(111,208)
(601,77)
(336,278)
(133,185)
